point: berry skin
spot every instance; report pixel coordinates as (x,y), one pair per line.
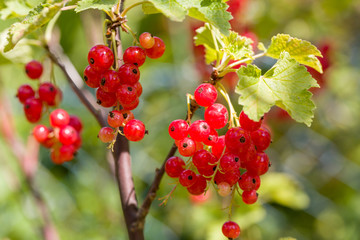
(205,94)
(187,178)
(231,229)
(248,182)
(67,152)
(146,40)
(127,115)
(47,93)
(40,133)
(126,94)
(203,159)
(34,69)
(129,74)
(218,148)
(92,78)
(199,130)
(59,118)
(212,139)
(33,109)
(216,116)
(134,130)
(134,55)
(178,129)
(224,189)
(106,134)
(100,58)
(230,177)
(174,166)
(138,88)
(115,119)
(75,122)
(199,186)
(237,140)
(68,135)
(249,197)
(105,99)
(24,92)
(187,147)
(261,138)
(229,162)
(260,165)
(110,81)
(157,50)
(248,124)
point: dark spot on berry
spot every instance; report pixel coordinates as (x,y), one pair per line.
(262,118)
(215,182)
(85,78)
(75,153)
(242,139)
(172,128)
(121,107)
(190,177)
(129,89)
(200,90)
(134,71)
(255,147)
(269,164)
(236,159)
(214,168)
(257,194)
(92,61)
(125,115)
(27,106)
(103,81)
(204,126)
(271,141)
(136,64)
(210,138)
(98,101)
(27,71)
(111,114)
(51,89)
(254,180)
(147,132)
(185,145)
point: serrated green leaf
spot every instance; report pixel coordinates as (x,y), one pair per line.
(236,46)
(211,11)
(14,8)
(302,51)
(261,47)
(36,18)
(285,85)
(104,5)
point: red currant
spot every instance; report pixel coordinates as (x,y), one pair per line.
(260,165)
(110,81)
(178,129)
(126,94)
(261,139)
(199,186)
(205,94)
(174,166)
(59,118)
(216,116)
(229,162)
(249,197)
(40,133)
(134,55)
(92,78)
(187,178)
(248,182)
(24,92)
(237,140)
(105,99)
(75,122)
(33,109)
(134,130)
(47,93)
(106,134)
(199,130)
(231,229)
(129,74)
(146,40)
(115,119)
(248,124)
(100,58)
(67,135)
(157,50)
(203,159)
(34,69)
(187,147)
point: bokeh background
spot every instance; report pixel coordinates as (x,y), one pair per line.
(312,190)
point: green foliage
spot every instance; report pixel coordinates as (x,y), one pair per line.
(285,85)
(211,11)
(215,43)
(302,51)
(36,18)
(95,4)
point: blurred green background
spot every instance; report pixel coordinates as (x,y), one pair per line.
(312,190)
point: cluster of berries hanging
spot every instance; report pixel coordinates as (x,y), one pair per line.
(120,88)
(63,137)
(34,101)
(231,161)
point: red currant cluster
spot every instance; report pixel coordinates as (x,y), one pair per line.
(47,94)
(121,88)
(236,158)
(63,138)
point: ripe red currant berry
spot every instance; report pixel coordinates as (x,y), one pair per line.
(237,140)
(199,130)
(110,81)
(77,144)
(174,166)
(229,162)
(216,116)
(178,129)
(40,133)
(157,50)
(205,94)
(129,74)
(67,135)
(218,148)
(231,229)
(138,88)
(212,138)
(67,152)
(126,94)
(230,177)
(261,138)
(92,78)
(106,134)
(105,99)
(248,124)
(203,159)
(115,119)
(56,157)
(130,106)
(127,115)
(100,58)
(24,92)
(187,147)
(199,186)
(249,197)
(50,140)
(59,118)
(75,122)
(187,178)
(248,182)
(47,93)
(34,69)
(207,172)
(260,166)
(134,55)
(134,130)
(198,146)
(146,40)
(224,189)
(33,109)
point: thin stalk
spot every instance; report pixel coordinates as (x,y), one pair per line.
(131,32)
(233,114)
(132,6)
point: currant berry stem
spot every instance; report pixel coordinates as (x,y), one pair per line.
(234,121)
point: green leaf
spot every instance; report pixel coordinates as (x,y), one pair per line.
(104,5)
(285,85)
(36,18)
(13,9)
(236,46)
(302,51)
(211,11)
